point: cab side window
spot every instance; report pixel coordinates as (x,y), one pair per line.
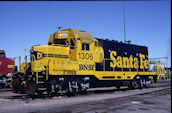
(85,47)
(72,43)
(96,43)
(2,55)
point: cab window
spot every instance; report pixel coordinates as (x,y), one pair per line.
(72,43)
(85,47)
(96,43)
(61,42)
(2,55)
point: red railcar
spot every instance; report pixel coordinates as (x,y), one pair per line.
(6,69)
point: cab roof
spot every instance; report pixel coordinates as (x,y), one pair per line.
(77,34)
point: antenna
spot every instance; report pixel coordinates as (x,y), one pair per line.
(59,28)
(25,56)
(124,22)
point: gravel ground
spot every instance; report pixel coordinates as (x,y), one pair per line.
(131,101)
(149,103)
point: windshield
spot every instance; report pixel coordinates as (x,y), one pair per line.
(61,42)
(2,55)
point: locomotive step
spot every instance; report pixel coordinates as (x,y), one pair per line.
(42,88)
(40,76)
(41,82)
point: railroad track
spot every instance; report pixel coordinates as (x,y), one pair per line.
(5,89)
(8,94)
(20,103)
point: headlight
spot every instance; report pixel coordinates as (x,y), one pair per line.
(61,79)
(137,77)
(43,72)
(86,78)
(150,77)
(62,34)
(8,75)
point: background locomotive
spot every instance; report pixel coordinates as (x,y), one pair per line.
(74,61)
(6,70)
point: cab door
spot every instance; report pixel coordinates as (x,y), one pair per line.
(72,49)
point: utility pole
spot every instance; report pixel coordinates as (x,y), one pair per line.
(167,68)
(124,22)
(25,56)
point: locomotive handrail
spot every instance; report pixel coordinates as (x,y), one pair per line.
(60,45)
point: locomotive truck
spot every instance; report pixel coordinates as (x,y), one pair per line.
(74,61)
(6,70)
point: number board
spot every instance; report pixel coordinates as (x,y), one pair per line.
(86,56)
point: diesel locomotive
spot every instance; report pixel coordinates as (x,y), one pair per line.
(6,70)
(74,61)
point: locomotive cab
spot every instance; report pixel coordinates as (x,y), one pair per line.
(2,54)
(82,46)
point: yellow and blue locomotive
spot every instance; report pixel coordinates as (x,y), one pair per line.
(74,61)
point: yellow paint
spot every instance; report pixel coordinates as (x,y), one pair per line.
(113,64)
(136,63)
(125,62)
(11,66)
(23,67)
(33,78)
(23,83)
(42,88)
(59,57)
(160,70)
(39,55)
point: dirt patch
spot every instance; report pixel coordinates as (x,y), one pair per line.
(147,102)
(143,109)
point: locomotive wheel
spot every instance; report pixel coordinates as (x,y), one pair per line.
(141,85)
(30,89)
(118,87)
(22,89)
(81,91)
(147,85)
(2,85)
(155,80)
(16,83)
(69,93)
(130,86)
(40,94)
(15,89)
(133,85)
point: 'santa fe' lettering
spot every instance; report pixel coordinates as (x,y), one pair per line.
(128,62)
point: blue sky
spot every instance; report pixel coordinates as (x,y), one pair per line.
(23,24)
